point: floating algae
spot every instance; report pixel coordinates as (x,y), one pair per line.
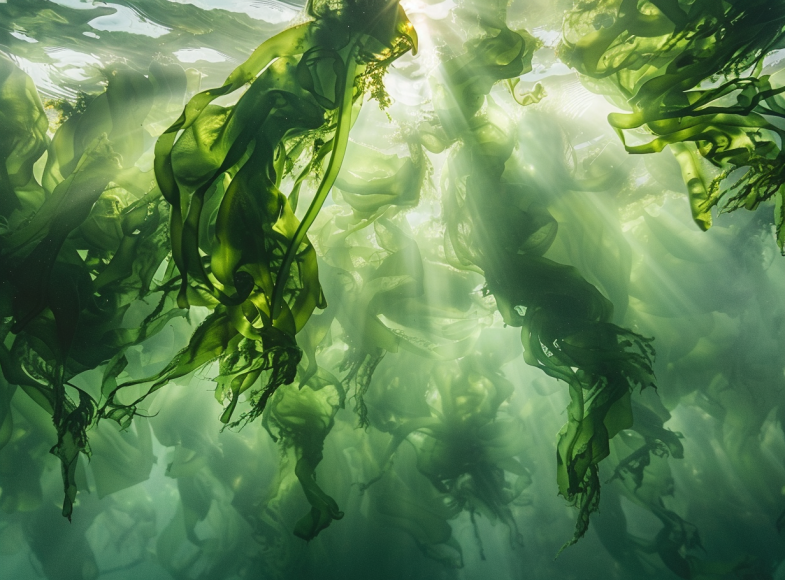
(394,245)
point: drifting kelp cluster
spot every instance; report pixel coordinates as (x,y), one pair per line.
(497,222)
(395,302)
(80,247)
(692,74)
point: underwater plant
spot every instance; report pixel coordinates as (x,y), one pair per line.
(662,63)
(403,310)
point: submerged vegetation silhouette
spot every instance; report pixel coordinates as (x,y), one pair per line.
(251,243)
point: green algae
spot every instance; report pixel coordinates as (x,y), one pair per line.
(123,223)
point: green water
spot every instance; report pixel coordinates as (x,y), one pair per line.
(451,289)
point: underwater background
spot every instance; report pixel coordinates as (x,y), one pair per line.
(444,289)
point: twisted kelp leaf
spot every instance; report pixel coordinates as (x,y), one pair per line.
(659,62)
(303,418)
(68,307)
(232,159)
(500,55)
(500,228)
(242,467)
(391,37)
(120,459)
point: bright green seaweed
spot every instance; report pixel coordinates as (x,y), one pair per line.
(155,236)
(662,63)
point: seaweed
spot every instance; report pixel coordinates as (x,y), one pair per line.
(692,77)
(93,199)
(79,248)
(355,287)
(498,226)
